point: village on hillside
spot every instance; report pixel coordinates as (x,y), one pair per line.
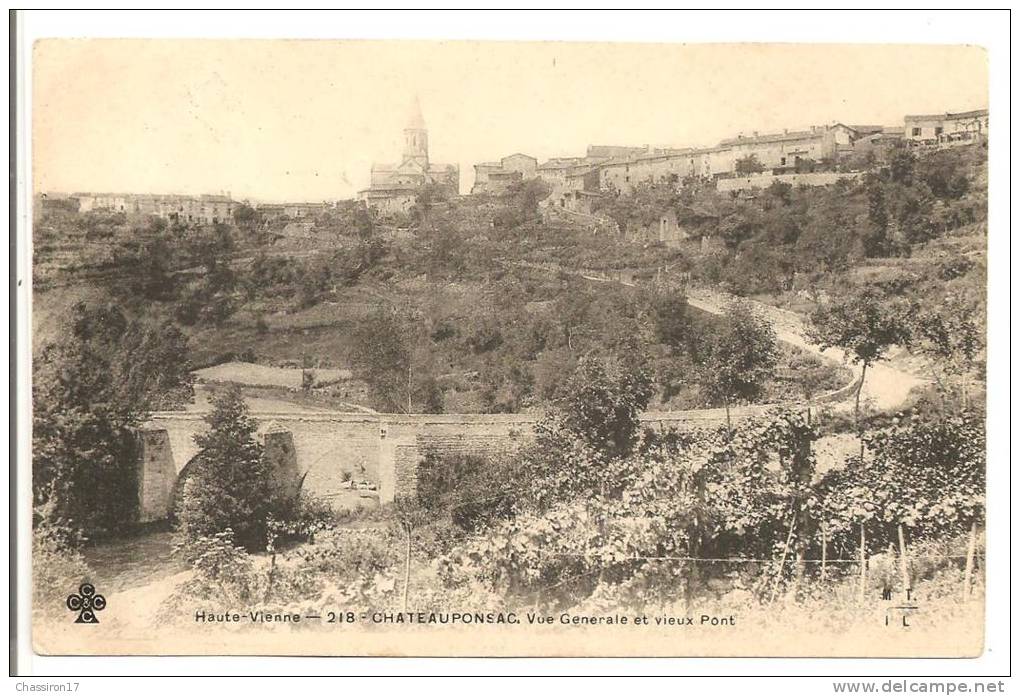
(818,156)
(740,388)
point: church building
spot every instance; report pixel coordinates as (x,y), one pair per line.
(394,187)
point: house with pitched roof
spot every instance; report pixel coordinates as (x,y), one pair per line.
(947,127)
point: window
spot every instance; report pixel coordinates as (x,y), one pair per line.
(916,132)
(938,130)
(782,161)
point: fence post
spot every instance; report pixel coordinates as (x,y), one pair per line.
(904,574)
(864,568)
(825,543)
(782,561)
(969,568)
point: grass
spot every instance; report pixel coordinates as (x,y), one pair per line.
(264,375)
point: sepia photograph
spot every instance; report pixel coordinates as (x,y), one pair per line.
(460,348)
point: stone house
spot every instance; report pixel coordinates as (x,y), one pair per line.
(206,209)
(113,202)
(496,177)
(947,127)
(555,173)
(877,139)
(788,150)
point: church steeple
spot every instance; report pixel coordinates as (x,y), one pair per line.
(416,137)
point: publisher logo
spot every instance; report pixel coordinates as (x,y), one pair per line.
(86,602)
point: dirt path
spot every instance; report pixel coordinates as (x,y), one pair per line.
(885,386)
(132,562)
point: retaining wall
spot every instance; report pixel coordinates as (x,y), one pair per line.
(760,181)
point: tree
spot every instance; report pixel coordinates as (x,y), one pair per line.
(901,166)
(865,326)
(943,173)
(521,199)
(408,515)
(950,338)
(398,376)
(147,268)
(247,218)
(230,484)
(875,239)
(209,300)
(672,320)
(90,391)
(781,191)
(153,367)
(742,356)
(425,200)
(604,398)
(748,165)
(208,246)
(363,223)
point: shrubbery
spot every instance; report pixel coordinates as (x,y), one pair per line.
(90,390)
(57,568)
(229,484)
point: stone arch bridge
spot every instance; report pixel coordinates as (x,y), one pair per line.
(344,455)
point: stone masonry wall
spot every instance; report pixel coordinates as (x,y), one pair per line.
(156,474)
(332,450)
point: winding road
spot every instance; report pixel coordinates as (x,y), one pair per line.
(885,386)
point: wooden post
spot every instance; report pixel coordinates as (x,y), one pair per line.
(904,573)
(407,565)
(864,568)
(782,561)
(857,408)
(272,577)
(825,544)
(969,568)
(798,571)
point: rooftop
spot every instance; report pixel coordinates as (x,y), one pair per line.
(562,163)
(775,137)
(948,115)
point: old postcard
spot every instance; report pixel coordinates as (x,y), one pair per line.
(393,348)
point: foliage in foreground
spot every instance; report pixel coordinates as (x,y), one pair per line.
(57,568)
(629,526)
(90,390)
(229,485)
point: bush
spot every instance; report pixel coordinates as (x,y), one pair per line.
(603,402)
(310,516)
(58,568)
(225,575)
(471,487)
(344,555)
(230,486)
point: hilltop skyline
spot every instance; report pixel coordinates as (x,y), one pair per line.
(304,120)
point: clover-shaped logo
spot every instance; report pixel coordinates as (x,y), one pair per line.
(86,603)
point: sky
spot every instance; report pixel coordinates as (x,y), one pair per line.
(302,120)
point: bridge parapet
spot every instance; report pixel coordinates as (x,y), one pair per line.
(332,451)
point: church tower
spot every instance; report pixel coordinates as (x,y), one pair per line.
(416,138)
